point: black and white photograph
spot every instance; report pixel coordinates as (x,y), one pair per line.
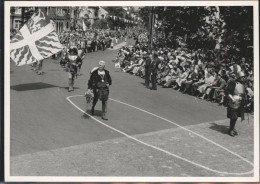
(131,91)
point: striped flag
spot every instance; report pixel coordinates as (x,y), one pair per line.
(35,41)
(84,26)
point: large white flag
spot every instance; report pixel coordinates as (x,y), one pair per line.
(36,40)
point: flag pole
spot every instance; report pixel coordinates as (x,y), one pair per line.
(151,22)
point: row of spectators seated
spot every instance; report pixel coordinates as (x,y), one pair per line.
(189,73)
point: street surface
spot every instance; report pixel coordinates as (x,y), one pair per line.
(149,133)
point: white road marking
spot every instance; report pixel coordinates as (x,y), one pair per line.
(162,150)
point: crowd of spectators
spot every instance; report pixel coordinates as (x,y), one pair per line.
(197,73)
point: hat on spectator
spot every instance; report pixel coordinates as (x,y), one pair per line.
(73,51)
(155,53)
(240,74)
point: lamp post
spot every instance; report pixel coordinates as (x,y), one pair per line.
(151,26)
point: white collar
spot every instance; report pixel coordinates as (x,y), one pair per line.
(101,72)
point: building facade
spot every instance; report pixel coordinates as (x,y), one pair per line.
(61,18)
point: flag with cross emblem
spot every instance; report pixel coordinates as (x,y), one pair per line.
(36,40)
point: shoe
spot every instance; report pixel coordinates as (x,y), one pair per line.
(92,112)
(104,117)
(235,132)
(220,103)
(232,133)
(214,101)
(175,87)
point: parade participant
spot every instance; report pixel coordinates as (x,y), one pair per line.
(148,61)
(81,56)
(235,93)
(72,66)
(64,58)
(153,70)
(99,82)
(39,71)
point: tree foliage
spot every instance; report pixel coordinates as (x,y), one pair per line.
(238,30)
(200,28)
(100,24)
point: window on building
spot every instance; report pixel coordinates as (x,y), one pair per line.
(17,24)
(64,11)
(18,11)
(96,13)
(67,26)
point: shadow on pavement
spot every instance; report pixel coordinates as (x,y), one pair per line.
(85,116)
(96,113)
(54,70)
(32,86)
(143,83)
(67,88)
(220,128)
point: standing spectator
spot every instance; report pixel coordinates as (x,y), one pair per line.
(153,70)
(148,61)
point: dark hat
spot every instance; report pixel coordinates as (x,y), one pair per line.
(156,54)
(73,51)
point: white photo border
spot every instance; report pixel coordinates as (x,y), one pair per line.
(10,178)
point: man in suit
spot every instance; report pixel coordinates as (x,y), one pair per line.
(99,82)
(148,61)
(153,70)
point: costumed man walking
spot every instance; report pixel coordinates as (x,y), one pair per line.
(235,93)
(72,66)
(153,70)
(148,61)
(99,82)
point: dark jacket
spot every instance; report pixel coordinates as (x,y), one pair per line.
(95,79)
(154,66)
(148,62)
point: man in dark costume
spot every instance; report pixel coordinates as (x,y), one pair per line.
(72,66)
(235,93)
(99,82)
